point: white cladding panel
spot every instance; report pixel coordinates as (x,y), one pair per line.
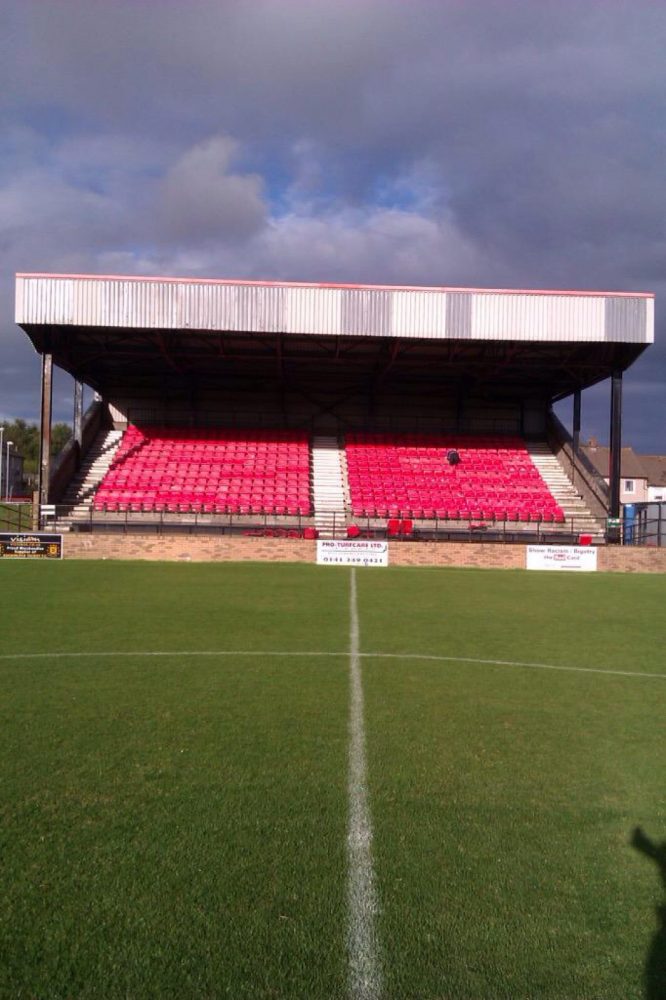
(310,310)
(418,314)
(207,307)
(151,305)
(44,300)
(509,316)
(345,310)
(88,299)
(649,321)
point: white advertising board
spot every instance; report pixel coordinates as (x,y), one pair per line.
(571,557)
(349,552)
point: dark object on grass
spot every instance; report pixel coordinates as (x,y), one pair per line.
(655,963)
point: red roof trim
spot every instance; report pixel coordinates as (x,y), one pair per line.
(333,285)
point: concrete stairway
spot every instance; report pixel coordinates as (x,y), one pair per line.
(79,495)
(559,484)
(328,491)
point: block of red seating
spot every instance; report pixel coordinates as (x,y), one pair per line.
(449,477)
(180,470)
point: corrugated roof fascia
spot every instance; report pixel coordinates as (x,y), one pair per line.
(322,310)
(340,285)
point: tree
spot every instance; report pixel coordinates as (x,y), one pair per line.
(60,435)
(25,440)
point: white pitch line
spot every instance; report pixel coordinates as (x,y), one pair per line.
(176,652)
(365,978)
(510,663)
(184,653)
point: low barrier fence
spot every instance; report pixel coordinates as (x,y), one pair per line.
(338,525)
(644,524)
(16,516)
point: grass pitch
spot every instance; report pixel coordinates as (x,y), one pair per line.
(175,825)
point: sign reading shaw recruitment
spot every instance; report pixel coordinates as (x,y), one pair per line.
(571,557)
(348,552)
(30,546)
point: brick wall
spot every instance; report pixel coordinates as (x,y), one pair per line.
(457,554)
(186,548)
(614,559)
(230,548)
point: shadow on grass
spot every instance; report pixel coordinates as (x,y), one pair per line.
(655,963)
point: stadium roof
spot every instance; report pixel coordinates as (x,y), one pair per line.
(105,329)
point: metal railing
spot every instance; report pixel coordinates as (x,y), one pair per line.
(193,521)
(644,524)
(339,525)
(584,476)
(65,464)
(16,516)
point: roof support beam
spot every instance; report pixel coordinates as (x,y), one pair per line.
(77,421)
(615,457)
(576,431)
(166,354)
(278,355)
(45,436)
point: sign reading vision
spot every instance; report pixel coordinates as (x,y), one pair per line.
(30,546)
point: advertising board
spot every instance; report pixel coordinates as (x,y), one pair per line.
(582,558)
(347,552)
(18,545)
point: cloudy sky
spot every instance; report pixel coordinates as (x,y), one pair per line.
(479,143)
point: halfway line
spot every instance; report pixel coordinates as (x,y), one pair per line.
(365,978)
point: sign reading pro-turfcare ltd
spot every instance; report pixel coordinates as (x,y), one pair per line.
(26,546)
(351,553)
(573,557)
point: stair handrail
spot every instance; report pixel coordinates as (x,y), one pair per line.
(584,476)
(68,461)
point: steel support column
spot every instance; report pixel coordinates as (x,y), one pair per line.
(45,437)
(615,457)
(576,434)
(78,414)
(576,423)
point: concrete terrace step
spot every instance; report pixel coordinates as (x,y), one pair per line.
(80,493)
(328,487)
(561,487)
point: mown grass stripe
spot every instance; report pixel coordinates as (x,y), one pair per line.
(365,979)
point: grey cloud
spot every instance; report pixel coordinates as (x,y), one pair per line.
(200,199)
(380,246)
(44,222)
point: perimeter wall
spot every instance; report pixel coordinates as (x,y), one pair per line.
(227,548)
